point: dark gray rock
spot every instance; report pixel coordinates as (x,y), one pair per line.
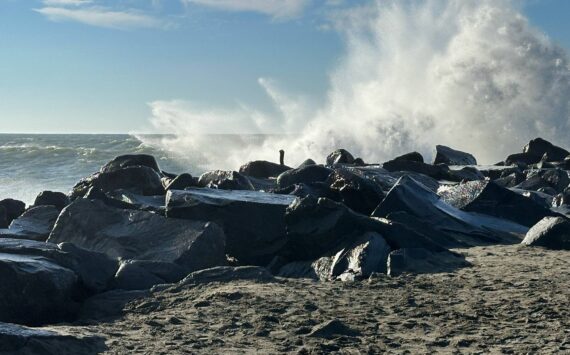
(13,209)
(539,147)
(129,200)
(128,160)
(522,159)
(307,174)
(35,224)
(422,261)
(181,182)
(307,162)
(108,305)
(467,173)
(413,156)
(35,290)
(21,340)
(138,179)
(253,221)
(227,274)
(449,156)
(439,172)
(487,197)
(144,274)
(225,180)
(358,193)
(551,233)
(3,218)
(129,234)
(317,227)
(263,169)
(442,223)
(51,198)
(339,156)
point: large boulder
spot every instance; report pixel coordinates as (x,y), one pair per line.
(225,180)
(413,156)
(17,339)
(181,182)
(13,209)
(550,232)
(306,174)
(538,147)
(433,171)
(489,198)
(138,179)
(556,179)
(449,156)
(253,221)
(358,193)
(35,290)
(444,224)
(95,271)
(35,224)
(317,227)
(263,169)
(340,156)
(52,198)
(128,160)
(131,234)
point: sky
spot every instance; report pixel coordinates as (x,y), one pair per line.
(97,66)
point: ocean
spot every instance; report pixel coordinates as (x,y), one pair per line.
(30,164)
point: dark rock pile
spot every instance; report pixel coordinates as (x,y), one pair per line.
(131,226)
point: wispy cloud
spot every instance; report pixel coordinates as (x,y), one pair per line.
(66,2)
(278,9)
(101,16)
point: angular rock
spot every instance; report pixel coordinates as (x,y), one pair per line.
(307,174)
(551,233)
(225,180)
(339,156)
(307,162)
(522,159)
(130,234)
(487,197)
(436,172)
(17,339)
(263,169)
(413,156)
(14,209)
(539,147)
(51,198)
(449,226)
(420,261)
(181,182)
(360,194)
(35,290)
(138,179)
(449,156)
(332,329)
(253,221)
(467,173)
(35,224)
(317,227)
(128,160)
(228,274)
(129,200)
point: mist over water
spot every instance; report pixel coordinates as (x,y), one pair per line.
(471,74)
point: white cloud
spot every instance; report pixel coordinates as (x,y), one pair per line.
(279,9)
(102,17)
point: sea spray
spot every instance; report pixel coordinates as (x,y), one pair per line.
(471,74)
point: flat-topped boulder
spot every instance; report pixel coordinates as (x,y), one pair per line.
(551,233)
(449,156)
(132,234)
(263,169)
(253,221)
(35,224)
(225,180)
(445,224)
(489,198)
(138,179)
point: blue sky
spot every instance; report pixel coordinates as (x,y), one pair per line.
(93,66)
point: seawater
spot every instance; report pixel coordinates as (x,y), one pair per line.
(30,164)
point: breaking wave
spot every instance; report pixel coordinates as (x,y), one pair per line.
(471,74)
